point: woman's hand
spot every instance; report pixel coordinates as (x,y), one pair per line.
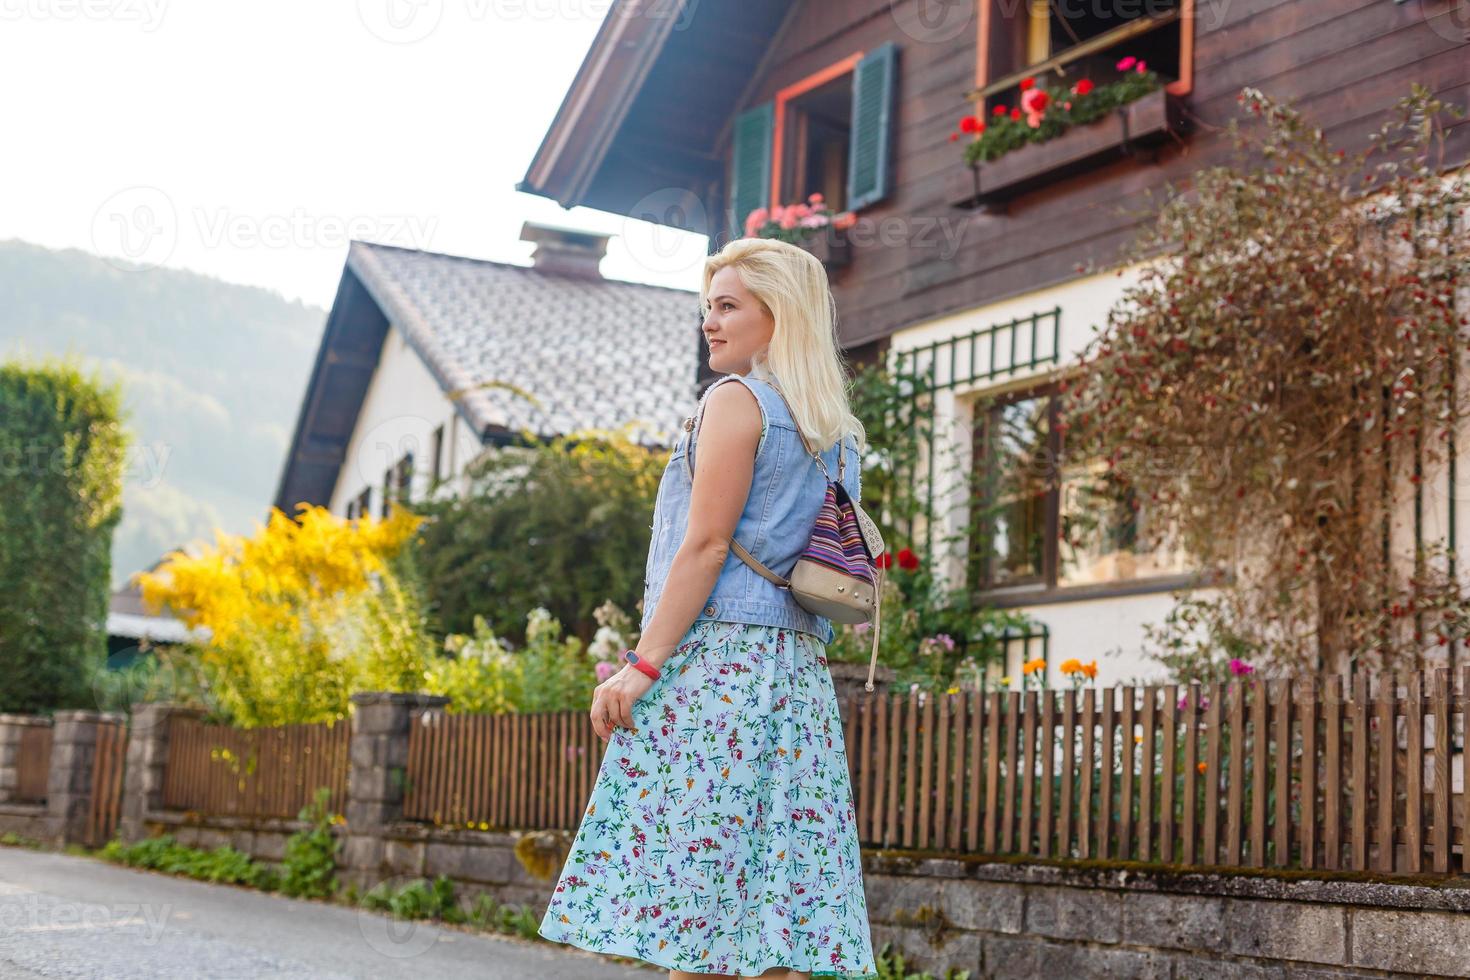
(612,700)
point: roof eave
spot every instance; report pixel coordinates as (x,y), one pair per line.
(595,105)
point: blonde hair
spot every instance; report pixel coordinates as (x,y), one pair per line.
(803,356)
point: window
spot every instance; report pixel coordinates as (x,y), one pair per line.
(831,133)
(403,474)
(1041,526)
(436,456)
(813,144)
(1074,39)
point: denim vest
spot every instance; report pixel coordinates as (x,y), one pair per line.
(786,493)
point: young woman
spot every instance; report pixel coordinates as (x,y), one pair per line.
(720,838)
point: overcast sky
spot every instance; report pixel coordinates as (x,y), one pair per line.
(249,141)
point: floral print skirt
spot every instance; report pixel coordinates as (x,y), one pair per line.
(721,837)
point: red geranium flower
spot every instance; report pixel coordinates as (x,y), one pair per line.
(1082,87)
(884,560)
(1027,83)
(972,124)
(999,110)
(1015,113)
(907,559)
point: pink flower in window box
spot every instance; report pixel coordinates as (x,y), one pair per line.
(755,220)
(1127,63)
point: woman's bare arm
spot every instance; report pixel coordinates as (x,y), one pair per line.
(724,465)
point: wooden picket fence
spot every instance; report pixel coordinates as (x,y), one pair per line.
(33,764)
(532,770)
(1305,773)
(1316,773)
(108,767)
(256,772)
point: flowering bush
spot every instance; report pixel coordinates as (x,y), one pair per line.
(485,674)
(1279,380)
(1046,112)
(796,222)
(298,616)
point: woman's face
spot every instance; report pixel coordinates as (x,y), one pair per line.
(736,326)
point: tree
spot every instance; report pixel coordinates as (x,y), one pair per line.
(1285,377)
(561,525)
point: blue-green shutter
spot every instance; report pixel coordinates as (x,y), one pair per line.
(750,169)
(869,166)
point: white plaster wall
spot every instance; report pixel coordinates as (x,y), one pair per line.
(1087,628)
(400,411)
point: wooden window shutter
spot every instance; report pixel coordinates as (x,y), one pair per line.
(870,169)
(750,177)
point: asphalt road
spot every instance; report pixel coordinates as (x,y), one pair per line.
(66,916)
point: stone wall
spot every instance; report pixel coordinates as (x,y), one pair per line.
(1009,919)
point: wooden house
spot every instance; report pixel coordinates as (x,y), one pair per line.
(694,115)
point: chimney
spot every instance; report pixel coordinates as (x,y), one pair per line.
(565,251)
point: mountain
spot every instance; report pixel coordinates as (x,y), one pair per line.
(212,372)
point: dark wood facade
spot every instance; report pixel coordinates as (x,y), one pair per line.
(1343,63)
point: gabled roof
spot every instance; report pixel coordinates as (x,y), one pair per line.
(650,108)
(589,353)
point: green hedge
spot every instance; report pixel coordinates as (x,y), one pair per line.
(61,462)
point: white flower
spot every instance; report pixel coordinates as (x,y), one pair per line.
(606,644)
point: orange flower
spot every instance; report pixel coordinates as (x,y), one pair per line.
(1201,767)
(1071,666)
(1090,669)
(1031,666)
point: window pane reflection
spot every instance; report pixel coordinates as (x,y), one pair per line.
(1018,456)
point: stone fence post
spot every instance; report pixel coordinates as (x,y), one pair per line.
(147,764)
(69,786)
(377,776)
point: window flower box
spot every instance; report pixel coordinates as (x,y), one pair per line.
(830,245)
(811,225)
(1132,130)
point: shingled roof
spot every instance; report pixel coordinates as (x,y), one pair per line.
(571,352)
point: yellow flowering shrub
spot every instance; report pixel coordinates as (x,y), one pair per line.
(299,616)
